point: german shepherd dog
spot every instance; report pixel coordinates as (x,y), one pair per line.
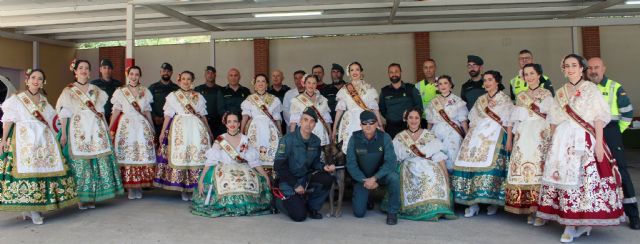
(336,157)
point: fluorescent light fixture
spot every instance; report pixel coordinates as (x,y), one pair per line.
(633,2)
(287,14)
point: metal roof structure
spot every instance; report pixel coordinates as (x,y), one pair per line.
(74,21)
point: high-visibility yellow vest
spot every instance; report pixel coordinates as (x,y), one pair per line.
(428,91)
(610,93)
(519,85)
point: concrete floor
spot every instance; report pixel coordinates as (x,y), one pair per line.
(161,217)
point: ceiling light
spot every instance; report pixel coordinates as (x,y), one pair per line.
(633,2)
(287,14)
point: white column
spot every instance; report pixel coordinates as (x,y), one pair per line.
(130,32)
(575,40)
(212,44)
(36,55)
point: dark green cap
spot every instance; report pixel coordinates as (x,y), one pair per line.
(309,111)
(474,59)
(367,117)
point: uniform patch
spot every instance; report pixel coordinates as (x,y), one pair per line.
(281,148)
(380,149)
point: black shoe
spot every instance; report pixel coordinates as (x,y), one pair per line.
(370,205)
(392,219)
(314,214)
(634,223)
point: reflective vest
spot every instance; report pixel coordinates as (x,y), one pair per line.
(610,93)
(428,91)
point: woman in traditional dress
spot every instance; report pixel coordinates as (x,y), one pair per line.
(532,133)
(312,98)
(355,97)
(261,121)
(33,175)
(85,139)
(185,139)
(132,130)
(580,182)
(447,119)
(233,182)
(480,168)
(424,180)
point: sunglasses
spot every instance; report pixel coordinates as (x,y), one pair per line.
(369,123)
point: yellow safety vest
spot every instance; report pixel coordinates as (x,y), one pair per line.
(519,85)
(428,91)
(610,93)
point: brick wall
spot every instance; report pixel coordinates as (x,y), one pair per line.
(261,56)
(423,52)
(117,57)
(591,41)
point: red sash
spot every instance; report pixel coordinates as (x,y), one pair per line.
(446,118)
(355,96)
(86,101)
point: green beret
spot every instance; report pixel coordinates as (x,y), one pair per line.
(367,117)
(309,111)
(474,59)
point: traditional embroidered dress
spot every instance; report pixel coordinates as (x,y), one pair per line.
(353,98)
(321,107)
(447,115)
(480,168)
(187,139)
(134,147)
(530,147)
(33,175)
(262,130)
(232,186)
(424,186)
(577,190)
(88,149)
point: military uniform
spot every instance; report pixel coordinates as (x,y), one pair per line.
(393,102)
(471,91)
(330,92)
(211,95)
(621,117)
(109,87)
(295,163)
(231,99)
(280,95)
(160,91)
(372,158)
(518,85)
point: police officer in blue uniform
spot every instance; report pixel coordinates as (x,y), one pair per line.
(107,84)
(302,178)
(160,90)
(371,162)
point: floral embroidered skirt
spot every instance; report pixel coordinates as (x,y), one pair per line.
(33,194)
(233,203)
(137,176)
(473,187)
(169,178)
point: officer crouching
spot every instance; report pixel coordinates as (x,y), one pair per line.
(303,180)
(371,161)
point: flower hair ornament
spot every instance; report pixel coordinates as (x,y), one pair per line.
(27,73)
(72,66)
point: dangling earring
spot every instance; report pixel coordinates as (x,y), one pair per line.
(44,83)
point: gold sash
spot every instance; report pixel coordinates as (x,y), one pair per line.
(228,148)
(484,103)
(443,114)
(131,99)
(529,103)
(186,100)
(408,142)
(33,108)
(87,103)
(255,99)
(355,96)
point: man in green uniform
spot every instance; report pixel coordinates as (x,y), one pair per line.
(233,94)
(279,90)
(371,161)
(300,173)
(107,84)
(160,90)
(395,98)
(211,91)
(621,116)
(518,84)
(330,91)
(427,87)
(472,89)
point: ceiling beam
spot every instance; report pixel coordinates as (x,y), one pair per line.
(22,37)
(188,19)
(594,8)
(139,34)
(394,10)
(62,9)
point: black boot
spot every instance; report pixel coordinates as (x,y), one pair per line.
(314,214)
(392,219)
(634,223)
(370,204)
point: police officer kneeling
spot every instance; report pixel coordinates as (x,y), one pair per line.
(371,161)
(303,179)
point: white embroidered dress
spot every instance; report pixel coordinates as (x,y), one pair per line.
(350,120)
(232,176)
(134,135)
(302,101)
(37,153)
(456,110)
(88,135)
(188,136)
(263,134)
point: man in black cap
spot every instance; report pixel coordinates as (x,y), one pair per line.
(330,91)
(160,90)
(472,89)
(395,98)
(371,161)
(300,172)
(211,92)
(107,84)
(233,94)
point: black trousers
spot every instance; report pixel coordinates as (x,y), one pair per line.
(296,206)
(613,137)
(393,128)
